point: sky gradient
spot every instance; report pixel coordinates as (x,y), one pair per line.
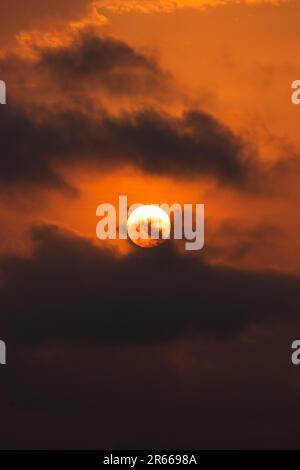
(111,346)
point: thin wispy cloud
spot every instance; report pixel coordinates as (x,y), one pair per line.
(156,6)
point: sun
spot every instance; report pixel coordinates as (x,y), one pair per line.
(148,226)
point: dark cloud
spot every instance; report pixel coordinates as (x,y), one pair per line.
(92,62)
(176,396)
(38,139)
(232,242)
(117,340)
(194,145)
(72,290)
(89,65)
(26,158)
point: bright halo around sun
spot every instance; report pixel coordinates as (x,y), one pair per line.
(148,226)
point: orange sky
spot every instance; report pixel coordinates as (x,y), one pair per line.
(221,60)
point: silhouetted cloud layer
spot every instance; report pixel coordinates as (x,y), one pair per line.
(190,146)
(103,62)
(72,290)
(38,139)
